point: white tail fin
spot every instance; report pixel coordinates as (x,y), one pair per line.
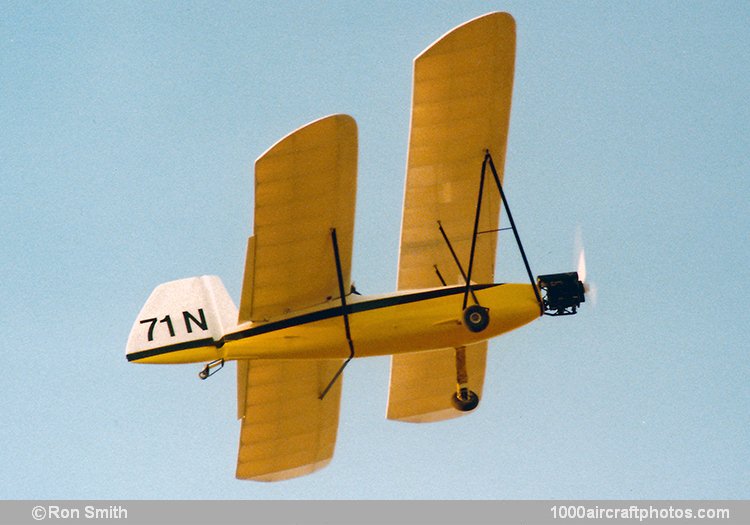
(183,322)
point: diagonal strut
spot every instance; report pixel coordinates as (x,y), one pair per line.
(345,313)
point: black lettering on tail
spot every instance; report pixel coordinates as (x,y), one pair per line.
(202,324)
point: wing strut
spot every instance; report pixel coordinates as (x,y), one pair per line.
(488,162)
(466,277)
(344,311)
(474,237)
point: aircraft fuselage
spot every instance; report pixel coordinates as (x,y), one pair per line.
(405,321)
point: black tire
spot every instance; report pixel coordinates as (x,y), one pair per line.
(476,318)
(466,402)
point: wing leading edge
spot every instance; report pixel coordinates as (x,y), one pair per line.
(460,109)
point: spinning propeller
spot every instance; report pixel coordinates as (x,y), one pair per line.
(589,287)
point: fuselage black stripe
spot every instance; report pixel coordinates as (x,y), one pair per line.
(319,315)
(187,345)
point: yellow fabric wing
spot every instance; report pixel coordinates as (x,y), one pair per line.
(286,430)
(305,185)
(460,110)
(422,383)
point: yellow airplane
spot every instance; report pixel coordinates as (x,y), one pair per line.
(300,319)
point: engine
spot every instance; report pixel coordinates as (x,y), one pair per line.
(562,293)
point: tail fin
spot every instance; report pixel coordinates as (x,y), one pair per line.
(182,321)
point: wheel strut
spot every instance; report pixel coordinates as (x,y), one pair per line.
(464,399)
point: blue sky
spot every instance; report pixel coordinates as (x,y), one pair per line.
(129,134)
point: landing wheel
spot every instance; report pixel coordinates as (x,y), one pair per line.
(465,400)
(476,318)
(203,374)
